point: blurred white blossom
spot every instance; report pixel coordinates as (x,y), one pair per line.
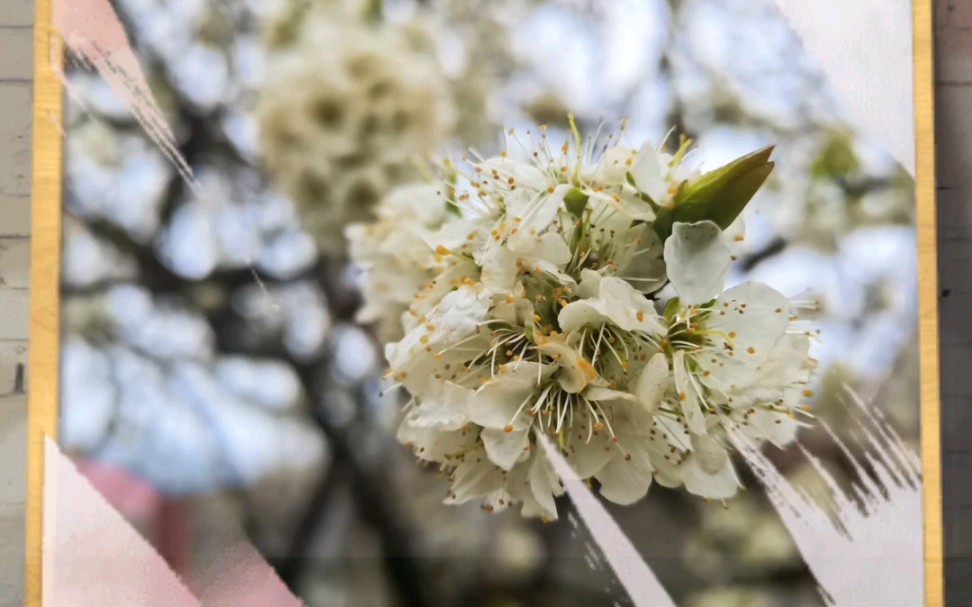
(349,110)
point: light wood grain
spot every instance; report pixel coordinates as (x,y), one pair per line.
(45,295)
(928,300)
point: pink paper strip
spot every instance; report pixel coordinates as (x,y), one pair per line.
(92,556)
(240,577)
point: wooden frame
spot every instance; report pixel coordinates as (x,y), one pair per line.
(45,296)
(931,423)
(45,267)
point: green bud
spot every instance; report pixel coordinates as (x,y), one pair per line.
(720,195)
(575,201)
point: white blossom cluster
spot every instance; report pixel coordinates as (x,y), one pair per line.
(343,116)
(577,294)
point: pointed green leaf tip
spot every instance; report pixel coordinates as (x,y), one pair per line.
(720,195)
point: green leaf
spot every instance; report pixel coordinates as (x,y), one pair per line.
(575,201)
(720,195)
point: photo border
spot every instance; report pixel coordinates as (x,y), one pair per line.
(928,343)
(43,362)
(44,359)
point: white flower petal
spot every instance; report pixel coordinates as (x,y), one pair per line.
(505,448)
(778,428)
(675,433)
(498,500)
(588,458)
(552,248)
(639,259)
(725,374)
(652,381)
(535,213)
(628,308)
(735,235)
(446,407)
(453,235)
(756,317)
(495,405)
(721,484)
(608,396)
(649,171)
(573,371)
(526,176)
(590,284)
(431,444)
(581,313)
(623,482)
(697,258)
(544,484)
(617,302)
(613,165)
(499,267)
(629,207)
(473,480)
(788,362)
(712,457)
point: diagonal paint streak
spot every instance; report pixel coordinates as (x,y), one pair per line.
(633,572)
(92,556)
(95,36)
(864,546)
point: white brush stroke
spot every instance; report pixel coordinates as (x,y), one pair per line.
(864,547)
(633,572)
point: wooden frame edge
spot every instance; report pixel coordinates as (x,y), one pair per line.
(43,386)
(45,256)
(931,424)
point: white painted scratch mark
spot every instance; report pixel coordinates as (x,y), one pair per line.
(633,572)
(864,545)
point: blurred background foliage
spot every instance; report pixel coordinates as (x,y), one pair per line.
(208,337)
